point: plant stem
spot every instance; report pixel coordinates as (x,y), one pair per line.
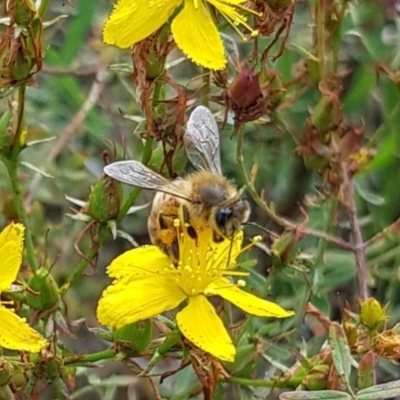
(12,168)
(81,359)
(271,213)
(43,6)
(272,383)
(78,271)
(393,228)
(320,37)
(359,248)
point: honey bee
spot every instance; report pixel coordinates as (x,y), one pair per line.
(205,195)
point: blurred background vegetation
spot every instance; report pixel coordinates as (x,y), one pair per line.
(85,101)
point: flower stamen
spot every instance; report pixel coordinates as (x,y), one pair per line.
(234,18)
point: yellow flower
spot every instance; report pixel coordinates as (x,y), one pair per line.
(15,333)
(146,284)
(193,27)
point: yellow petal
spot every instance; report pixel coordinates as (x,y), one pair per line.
(128,301)
(141,261)
(134,20)
(197,36)
(246,301)
(11,246)
(16,334)
(199,323)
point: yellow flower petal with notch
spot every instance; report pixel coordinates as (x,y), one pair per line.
(246,301)
(136,262)
(199,323)
(148,294)
(16,334)
(134,20)
(11,245)
(196,34)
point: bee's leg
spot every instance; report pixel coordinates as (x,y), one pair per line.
(190,230)
(173,250)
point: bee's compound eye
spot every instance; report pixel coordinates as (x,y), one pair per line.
(223,216)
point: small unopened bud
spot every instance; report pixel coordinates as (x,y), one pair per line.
(351,333)
(22,65)
(6,370)
(372,313)
(43,293)
(154,65)
(325,116)
(24,12)
(245,89)
(137,335)
(105,199)
(6,130)
(317,379)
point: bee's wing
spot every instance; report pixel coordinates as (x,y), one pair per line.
(201,140)
(134,173)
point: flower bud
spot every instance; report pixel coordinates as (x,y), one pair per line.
(6,130)
(24,12)
(351,333)
(154,65)
(316,380)
(6,370)
(138,335)
(245,89)
(43,293)
(325,116)
(105,199)
(22,65)
(372,313)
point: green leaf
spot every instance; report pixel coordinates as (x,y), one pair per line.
(368,196)
(341,356)
(383,391)
(315,395)
(366,372)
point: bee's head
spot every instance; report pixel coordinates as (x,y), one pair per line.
(229,218)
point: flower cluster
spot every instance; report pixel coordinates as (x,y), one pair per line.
(15,333)
(193,27)
(147,283)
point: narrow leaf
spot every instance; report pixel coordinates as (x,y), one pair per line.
(315,395)
(340,351)
(383,391)
(36,169)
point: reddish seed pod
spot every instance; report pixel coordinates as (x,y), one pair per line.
(245,89)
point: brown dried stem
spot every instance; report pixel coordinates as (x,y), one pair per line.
(301,228)
(358,244)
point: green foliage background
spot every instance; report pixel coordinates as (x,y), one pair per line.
(88,107)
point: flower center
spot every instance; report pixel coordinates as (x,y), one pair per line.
(202,260)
